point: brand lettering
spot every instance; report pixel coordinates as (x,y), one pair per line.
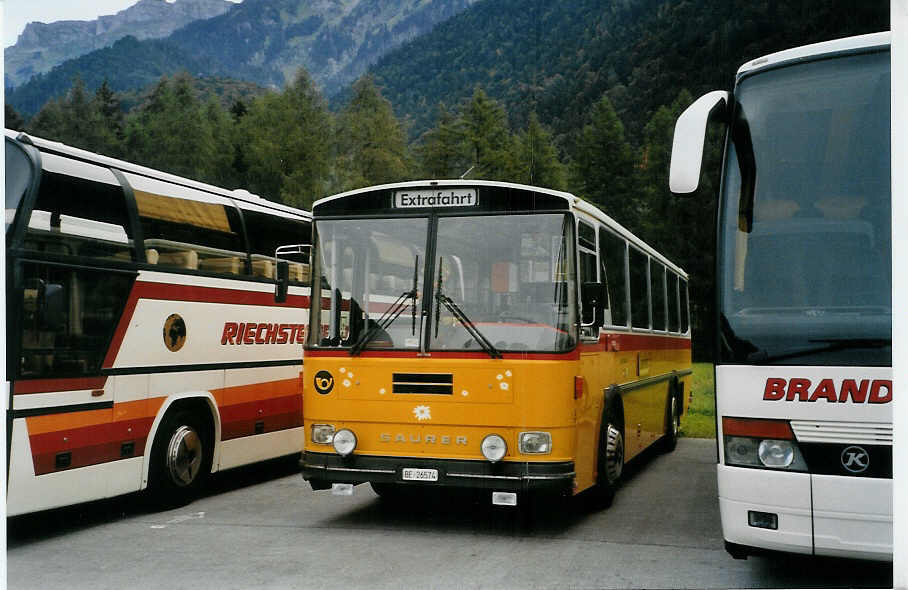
(876,391)
(429,439)
(253,333)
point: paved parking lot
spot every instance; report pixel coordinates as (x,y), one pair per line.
(263,527)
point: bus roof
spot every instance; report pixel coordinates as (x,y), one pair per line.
(815,50)
(573,202)
(239,195)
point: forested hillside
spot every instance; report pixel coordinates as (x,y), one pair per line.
(578,95)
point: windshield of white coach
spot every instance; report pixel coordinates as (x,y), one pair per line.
(18,177)
(805,231)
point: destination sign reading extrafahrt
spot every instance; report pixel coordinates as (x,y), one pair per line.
(449,197)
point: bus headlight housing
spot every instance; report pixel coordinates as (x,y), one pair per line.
(535,443)
(494,448)
(344,442)
(765,444)
(322,434)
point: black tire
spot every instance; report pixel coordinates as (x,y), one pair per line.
(672,421)
(390,492)
(610,460)
(180,459)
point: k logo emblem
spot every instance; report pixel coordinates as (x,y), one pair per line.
(855,459)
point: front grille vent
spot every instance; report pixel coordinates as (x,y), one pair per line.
(814,431)
(423,383)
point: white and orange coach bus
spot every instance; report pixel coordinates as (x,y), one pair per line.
(145,348)
(455,346)
(804,273)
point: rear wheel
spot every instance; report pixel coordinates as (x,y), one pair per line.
(672,423)
(181,459)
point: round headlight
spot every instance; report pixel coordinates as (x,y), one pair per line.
(776,453)
(344,442)
(494,448)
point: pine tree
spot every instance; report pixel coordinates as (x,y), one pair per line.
(13,120)
(442,151)
(488,137)
(288,139)
(372,146)
(537,159)
(602,169)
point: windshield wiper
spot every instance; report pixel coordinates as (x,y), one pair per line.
(830,345)
(390,314)
(458,313)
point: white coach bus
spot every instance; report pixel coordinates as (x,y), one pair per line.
(804,367)
(145,348)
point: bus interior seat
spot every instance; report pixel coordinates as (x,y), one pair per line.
(188,259)
(263,268)
(222,264)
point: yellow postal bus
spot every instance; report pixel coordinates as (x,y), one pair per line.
(487,335)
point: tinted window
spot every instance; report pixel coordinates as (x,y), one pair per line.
(587,236)
(68,319)
(612,254)
(639,262)
(673,318)
(266,232)
(202,233)
(685,320)
(657,289)
(18,176)
(76,216)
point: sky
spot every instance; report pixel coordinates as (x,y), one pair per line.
(16,13)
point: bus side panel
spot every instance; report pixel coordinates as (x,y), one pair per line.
(28,492)
(852,516)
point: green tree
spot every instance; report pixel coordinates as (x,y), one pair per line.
(488,137)
(537,158)
(442,151)
(288,143)
(603,167)
(75,120)
(111,113)
(12,119)
(372,146)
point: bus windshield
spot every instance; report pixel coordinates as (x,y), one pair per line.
(805,257)
(498,283)
(511,275)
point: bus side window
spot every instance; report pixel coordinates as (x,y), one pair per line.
(188,229)
(76,216)
(685,318)
(612,262)
(673,317)
(657,290)
(592,300)
(639,262)
(269,230)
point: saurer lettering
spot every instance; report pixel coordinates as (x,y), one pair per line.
(876,391)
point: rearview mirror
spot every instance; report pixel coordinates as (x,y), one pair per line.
(282,281)
(687,143)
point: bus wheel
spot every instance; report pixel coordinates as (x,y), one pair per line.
(389,492)
(181,459)
(611,460)
(672,423)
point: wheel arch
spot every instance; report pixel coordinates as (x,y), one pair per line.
(173,403)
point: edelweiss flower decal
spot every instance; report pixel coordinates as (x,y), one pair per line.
(422,413)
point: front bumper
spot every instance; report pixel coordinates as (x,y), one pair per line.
(323,469)
(817,514)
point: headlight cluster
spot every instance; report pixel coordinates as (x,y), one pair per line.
(535,443)
(343,441)
(765,444)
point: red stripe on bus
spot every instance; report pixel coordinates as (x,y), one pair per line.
(629,342)
(524,356)
(171,292)
(89,445)
(26,386)
(278,413)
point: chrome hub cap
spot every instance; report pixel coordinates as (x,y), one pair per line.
(676,419)
(184,456)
